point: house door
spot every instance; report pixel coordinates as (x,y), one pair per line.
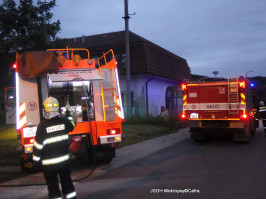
(173,101)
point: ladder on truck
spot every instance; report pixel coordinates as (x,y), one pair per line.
(233,95)
(111,104)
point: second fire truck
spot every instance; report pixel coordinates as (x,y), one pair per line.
(219,106)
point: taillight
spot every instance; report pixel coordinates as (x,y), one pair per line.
(14,66)
(113,131)
(244,116)
(183,116)
(29,140)
(77,139)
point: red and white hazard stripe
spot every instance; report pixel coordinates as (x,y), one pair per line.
(22,116)
(243,100)
(184,105)
(184,102)
(20,108)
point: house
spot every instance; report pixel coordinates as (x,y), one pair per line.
(155,72)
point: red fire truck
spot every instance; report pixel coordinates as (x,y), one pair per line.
(219,106)
(87,90)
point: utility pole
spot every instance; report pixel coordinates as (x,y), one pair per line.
(126,17)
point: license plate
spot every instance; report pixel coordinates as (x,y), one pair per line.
(112,139)
(29,132)
(194,115)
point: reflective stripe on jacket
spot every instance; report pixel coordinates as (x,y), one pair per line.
(51,142)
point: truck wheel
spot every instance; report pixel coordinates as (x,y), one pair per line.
(241,138)
(243,135)
(253,126)
(28,165)
(91,156)
(101,155)
(247,131)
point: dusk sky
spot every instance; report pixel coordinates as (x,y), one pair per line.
(228,36)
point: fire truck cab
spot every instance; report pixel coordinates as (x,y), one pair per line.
(218,106)
(87,90)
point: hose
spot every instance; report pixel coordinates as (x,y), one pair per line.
(86,94)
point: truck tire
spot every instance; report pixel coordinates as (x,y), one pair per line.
(103,154)
(253,126)
(243,135)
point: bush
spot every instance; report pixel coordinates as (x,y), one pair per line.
(172,123)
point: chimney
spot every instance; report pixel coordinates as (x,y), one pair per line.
(83,39)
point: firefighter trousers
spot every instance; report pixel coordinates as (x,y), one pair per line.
(51,178)
(264,125)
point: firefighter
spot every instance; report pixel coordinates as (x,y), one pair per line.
(51,148)
(262,114)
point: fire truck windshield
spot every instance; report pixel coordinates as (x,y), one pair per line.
(74,98)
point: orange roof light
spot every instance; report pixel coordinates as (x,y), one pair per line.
(242,84)
(184,86)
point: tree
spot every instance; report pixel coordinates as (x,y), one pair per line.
(25,27)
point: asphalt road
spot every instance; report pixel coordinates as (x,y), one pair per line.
(173,166)
(217,169)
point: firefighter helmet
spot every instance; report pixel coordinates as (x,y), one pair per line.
(50,104)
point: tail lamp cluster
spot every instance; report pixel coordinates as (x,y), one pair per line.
(29,138)
(183,116)
(113,131)
(244,116)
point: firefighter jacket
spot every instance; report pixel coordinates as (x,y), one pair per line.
(262,112)
(51,145)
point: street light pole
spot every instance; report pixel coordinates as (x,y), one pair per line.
(248,72)
(126,17)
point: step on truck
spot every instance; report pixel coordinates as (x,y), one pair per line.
(219,106)
(87,90)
